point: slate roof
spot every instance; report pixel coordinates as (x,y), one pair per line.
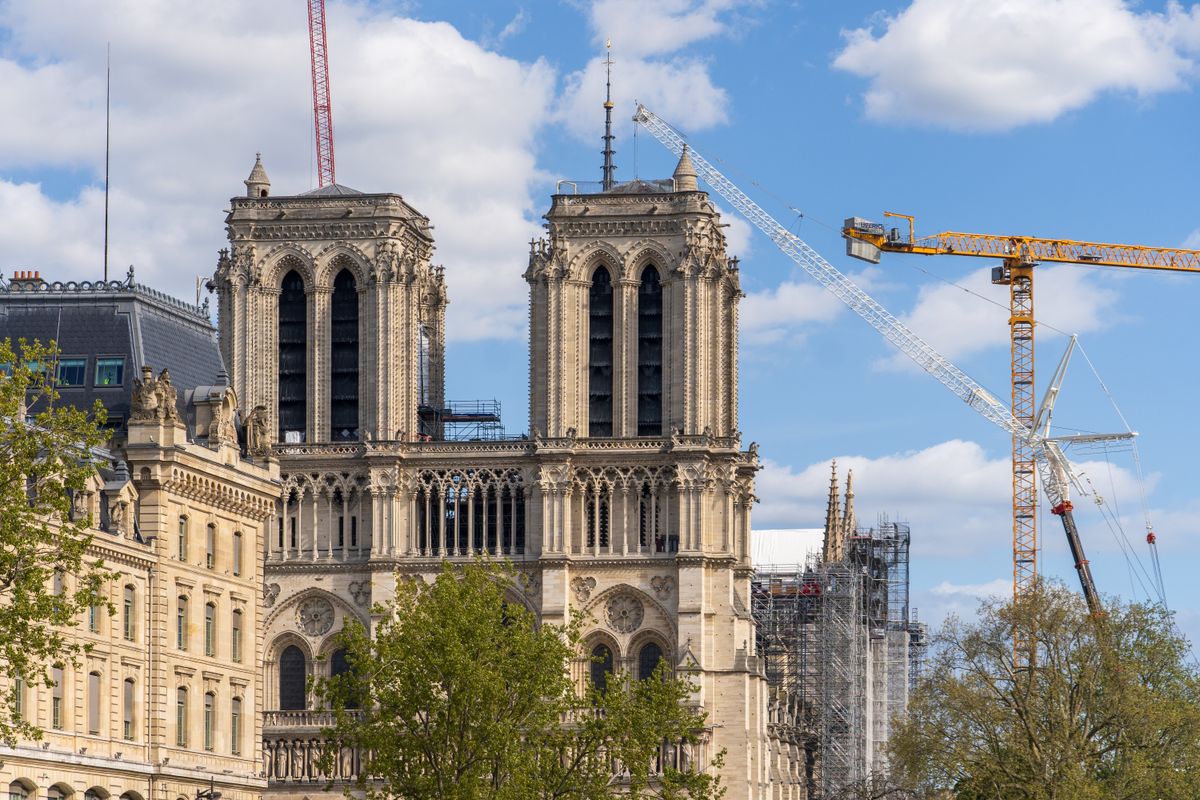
(114,319)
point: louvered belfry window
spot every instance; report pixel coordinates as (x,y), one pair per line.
(293,357)
(649,354)
(600,354)
(343,358)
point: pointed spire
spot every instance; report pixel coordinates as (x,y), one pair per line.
(685,173)
(832,549)
(258,184)
(849,523)
(607,181)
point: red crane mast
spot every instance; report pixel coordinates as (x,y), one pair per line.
(322,114)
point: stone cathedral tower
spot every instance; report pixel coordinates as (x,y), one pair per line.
(331,316)
(629,499)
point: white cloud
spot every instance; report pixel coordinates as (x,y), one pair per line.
(998,64)
(956,496)
(651,67)
(638,28)
(679,90)
(959,323)
(785,312)
(418,110)
(1192,242)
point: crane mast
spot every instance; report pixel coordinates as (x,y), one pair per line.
(1041,454)
(322,113)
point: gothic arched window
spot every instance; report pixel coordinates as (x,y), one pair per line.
(343,358)
(602,666)
(293,357)
(292,675)
(648,659)
(650,354)
(600,354)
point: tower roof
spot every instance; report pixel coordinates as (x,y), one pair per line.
(685,173)
(258,184)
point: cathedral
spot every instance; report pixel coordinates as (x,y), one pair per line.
(628,500)
(271,480)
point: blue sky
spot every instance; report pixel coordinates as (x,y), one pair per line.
(1072,119)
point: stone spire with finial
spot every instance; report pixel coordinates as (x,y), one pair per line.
(258,184)
(685,173)
(608,181)
(832,549)
(849,523)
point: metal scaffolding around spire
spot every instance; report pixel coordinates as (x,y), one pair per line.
(607,181)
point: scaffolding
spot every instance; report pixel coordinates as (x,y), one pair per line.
(837,638)
(462,421)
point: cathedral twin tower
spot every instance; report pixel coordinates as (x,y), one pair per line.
(628,500)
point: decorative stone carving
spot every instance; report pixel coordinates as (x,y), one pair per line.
(583,587)
(258,432)
(360,591)
(167,395)
(153,398)
(270,594)
(662,585)
(118,514)
(144,403)
(315,616)
(624,613)
(221,428)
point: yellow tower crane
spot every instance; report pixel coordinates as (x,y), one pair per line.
(1019,256)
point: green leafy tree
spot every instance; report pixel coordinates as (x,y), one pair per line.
(460,696)
(47,579)
(1110,708)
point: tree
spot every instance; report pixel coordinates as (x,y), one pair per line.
(462,696)
(1109,709)
(47,579)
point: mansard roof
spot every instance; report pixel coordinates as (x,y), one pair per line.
(113,319)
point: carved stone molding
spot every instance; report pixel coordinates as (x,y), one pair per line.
(663,586)
(583,587)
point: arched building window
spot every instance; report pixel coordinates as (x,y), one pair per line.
(600,354)
(648,658)
(293,357)
(649,354)
(292,675)
(343,358)
(16,791)
(602,666)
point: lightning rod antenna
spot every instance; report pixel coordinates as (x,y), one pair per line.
(107,128)
(609,167)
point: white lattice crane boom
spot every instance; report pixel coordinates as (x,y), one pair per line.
(1052,464)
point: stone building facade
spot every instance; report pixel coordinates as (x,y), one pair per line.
(168,699)
(629,499)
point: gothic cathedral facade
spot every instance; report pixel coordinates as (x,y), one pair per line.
(629,499)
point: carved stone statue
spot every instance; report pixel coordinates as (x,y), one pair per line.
(221,428)
(117,517)
(258,432)
(166,395)
(144,404)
